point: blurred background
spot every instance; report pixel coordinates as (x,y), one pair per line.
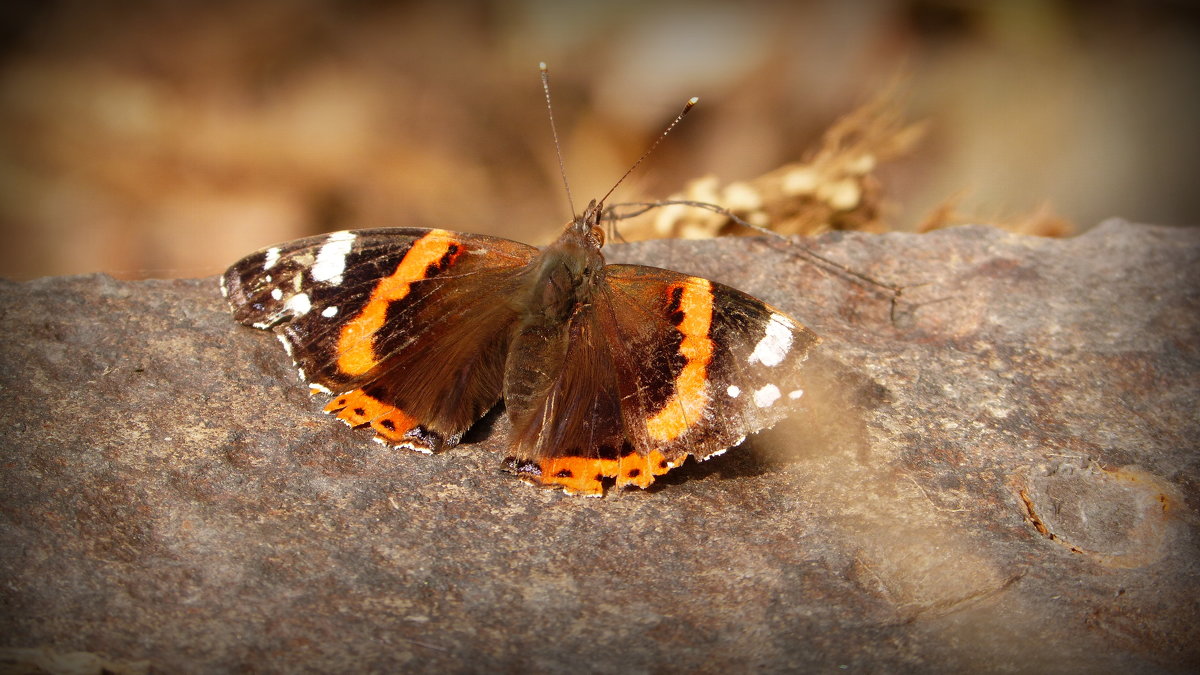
(155,138)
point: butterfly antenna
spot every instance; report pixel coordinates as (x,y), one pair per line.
(686,108)
(562,169)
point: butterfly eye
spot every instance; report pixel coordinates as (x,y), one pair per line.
(598,234)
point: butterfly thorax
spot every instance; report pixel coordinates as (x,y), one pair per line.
(564,276)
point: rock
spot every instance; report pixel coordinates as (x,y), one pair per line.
(999,470)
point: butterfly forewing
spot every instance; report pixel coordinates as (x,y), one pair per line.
(407,328)
(732,363)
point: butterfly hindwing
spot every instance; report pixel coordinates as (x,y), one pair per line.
(570,406)
(406,328)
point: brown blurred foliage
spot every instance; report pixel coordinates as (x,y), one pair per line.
(168,138)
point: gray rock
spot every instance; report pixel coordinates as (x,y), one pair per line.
(998,471)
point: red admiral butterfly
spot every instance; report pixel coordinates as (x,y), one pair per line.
(606,371)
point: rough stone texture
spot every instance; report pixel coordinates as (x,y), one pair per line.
(998,472)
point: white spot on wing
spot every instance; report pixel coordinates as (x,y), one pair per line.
(775,343)
(331,259)
(402,444)
(766,396)
(272,258)
(319,388)
(287,346)
(299,304)
(795,394)
(733,391)
(329,312)
(276,294)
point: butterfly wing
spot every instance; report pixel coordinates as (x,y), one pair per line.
(406,328)
(658,366)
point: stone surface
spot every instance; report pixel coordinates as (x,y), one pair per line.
(999,472)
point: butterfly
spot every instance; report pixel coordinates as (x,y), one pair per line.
(609,374)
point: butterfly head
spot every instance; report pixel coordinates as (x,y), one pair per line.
(581,242)
(587,226)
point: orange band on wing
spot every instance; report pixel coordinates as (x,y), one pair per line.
(686,405)
(356,344)
(357,408)
(582,475)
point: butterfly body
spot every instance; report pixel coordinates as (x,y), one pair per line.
(606,371)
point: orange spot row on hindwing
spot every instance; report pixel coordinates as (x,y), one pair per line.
(357,408)
(582,475)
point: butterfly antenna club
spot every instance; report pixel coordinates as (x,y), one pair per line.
(687,107)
